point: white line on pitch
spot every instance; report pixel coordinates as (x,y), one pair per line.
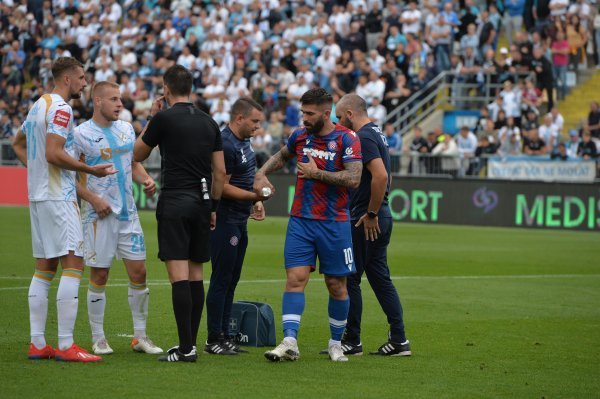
(494,277)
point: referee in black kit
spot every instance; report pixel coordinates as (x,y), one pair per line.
(229,239)
(192,178)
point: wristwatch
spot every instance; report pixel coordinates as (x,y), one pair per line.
(371,214)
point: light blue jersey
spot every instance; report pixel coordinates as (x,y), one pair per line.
(97,145)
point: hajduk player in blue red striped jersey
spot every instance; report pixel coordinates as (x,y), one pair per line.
(329,164)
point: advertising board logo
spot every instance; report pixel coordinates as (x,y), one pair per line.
(485,199)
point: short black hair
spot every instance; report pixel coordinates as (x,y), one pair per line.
(316,96)
(179,80)
(243,106)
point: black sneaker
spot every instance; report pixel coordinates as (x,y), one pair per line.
(173,355)
(393,349)
(348,348)
(218,348)
(175,348)
(231,343)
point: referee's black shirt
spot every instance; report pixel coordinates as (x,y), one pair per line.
(187,137)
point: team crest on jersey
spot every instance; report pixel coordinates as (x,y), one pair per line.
(61,118)
(332,145)
(234,241)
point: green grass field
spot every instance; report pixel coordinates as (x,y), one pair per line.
(489,313)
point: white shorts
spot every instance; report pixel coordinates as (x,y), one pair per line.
(55,229)
(110,237)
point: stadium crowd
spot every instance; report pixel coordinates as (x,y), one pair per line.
(275,50)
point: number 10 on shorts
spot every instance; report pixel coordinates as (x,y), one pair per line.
(348,257)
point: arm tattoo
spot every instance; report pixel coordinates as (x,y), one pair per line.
(349,177)
(276,162)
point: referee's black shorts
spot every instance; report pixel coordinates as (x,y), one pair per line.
(183,226)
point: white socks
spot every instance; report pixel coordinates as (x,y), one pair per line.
(67,301)
(138,295)
(38,306)
(96,301)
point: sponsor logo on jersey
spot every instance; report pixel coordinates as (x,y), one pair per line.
(326,155)
(106,153)
(61,118)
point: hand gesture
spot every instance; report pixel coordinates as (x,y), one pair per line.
(101,207)
(306,170)
(102,170)
(149,186)
(260,182)
(258,211)
(371,226)
(157,105)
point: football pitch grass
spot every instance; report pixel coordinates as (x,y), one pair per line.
(489,312)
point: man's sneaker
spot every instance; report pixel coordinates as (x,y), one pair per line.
(175,356)
(38,354)
(76,354)
(393,349)
(174,349)
(101,347)
(233,345)
(284,351)
(146,345)
(348,348)
(218,348)
(336,353)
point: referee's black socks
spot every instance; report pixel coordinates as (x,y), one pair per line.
(182,307)
(197,293)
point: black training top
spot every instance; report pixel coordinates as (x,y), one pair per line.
(240,164)
(187,137)
(373,145)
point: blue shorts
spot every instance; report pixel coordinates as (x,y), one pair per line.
(331,241)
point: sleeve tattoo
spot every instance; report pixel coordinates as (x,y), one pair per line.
(276,162)
(349,177)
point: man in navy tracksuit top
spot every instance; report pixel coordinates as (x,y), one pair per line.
(371,232)
(230,237)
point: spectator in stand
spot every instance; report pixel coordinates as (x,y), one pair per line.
(577,36)
(561,153)
(572,146)
(440,39)
(548,132)
(560,60)
(377,112)
(485,148)
(511,102)
(466,142)
(508,130)
(557,120)
(530,123)
(411,19)
(393,138)
(593,120)
(587,148)
(513,17)
(534,144)
(543,72)
(448,151)
(510,145)
(374,25)
(531,97)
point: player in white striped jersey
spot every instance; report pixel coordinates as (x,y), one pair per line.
(44,143)
(111,226)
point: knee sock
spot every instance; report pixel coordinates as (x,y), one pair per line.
(96,301)
(38,306)
(197,292)
(292,309)
(67,301)
(138,296)
(338,314)
(182,307)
